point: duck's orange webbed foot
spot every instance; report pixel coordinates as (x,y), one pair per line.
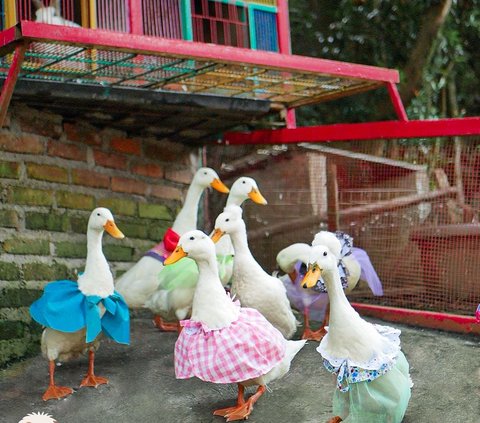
(243,411)
(53,391)
(56,392)
(314,335)
(164,326)
(225,412)
(91,379)
(335,419)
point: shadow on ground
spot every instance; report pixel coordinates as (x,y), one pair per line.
(444,367)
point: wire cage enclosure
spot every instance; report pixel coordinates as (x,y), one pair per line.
(416,216)
(249,24)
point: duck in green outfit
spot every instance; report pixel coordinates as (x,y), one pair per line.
(372,374)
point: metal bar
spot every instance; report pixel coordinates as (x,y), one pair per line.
(226,54)
(93,14)
(284,46)
(252,27)
(183,75)
(156,69)
(7,37)
(187,20)
(136,16)
(10,13)
(95,70)
(9,85)
(397,101)
(333,213)
(422,318)
(360,131)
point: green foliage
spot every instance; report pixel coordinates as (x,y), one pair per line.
(382,33)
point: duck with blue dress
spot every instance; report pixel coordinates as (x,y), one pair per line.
(75,314)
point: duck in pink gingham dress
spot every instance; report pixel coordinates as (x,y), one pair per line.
(247,349)
(222,342)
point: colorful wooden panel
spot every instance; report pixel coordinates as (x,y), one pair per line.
(220,23)
(266,34)
(161,18)
(112,15)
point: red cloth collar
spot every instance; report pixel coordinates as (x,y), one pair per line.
(170,239)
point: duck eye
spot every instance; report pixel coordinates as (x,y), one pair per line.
(227,220)
(192,238)
(243,182)
(204,173)
(325,253)
(98,214)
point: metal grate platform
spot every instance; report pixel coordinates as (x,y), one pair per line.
(95,57)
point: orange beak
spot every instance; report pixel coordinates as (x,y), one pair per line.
(256,197)
(217,234)
(112,229)
(311,277)
(175,256)
(219,186)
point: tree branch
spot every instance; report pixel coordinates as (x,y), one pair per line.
(431,25)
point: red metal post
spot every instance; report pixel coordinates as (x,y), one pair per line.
(136,16)
(9,85)
(360,131)
(284,44)
(397,101)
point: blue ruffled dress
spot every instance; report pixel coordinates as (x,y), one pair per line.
(65,308)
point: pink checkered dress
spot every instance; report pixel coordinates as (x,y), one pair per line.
(248,348)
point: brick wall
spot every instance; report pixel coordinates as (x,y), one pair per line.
(52,174)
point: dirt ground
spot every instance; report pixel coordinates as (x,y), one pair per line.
(445,369)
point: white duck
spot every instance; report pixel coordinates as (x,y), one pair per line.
(355,261)
(220,342)
(250,283)
(373,378)
(70,329)
(140,281)
(172,300)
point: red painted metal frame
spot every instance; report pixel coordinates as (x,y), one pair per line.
(360,131)
(7,38)
(397,102)
(188,49)
(284,45)
(9,85)
(422,318)
(136,16)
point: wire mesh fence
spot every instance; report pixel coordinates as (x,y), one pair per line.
(416,216)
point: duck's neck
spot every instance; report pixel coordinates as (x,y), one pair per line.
(97,278)
(186,219)
(211,305)
(240,244)
(234,200)
(340,309)
(349,336)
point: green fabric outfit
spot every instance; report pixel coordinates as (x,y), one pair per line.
(382,400)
